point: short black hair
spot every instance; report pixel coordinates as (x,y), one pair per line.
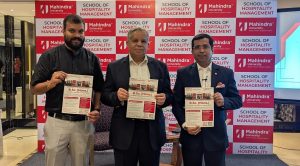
(202,36)
(72,18)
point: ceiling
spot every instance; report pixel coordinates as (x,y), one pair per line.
(20,9)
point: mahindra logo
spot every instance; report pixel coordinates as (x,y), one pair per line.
(123,9)
(242,62)
(243,26)
(162,27)
(240,133)
(44,114)
(43,146)
(44,9)
(202,8)
(163,60)
(122,45)
(45,44)
(243,97)
(86,26)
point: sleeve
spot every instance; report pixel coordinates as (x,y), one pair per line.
(109,94)
(167,86)
(178,103)
(232,100)
(42,70)
(98,81)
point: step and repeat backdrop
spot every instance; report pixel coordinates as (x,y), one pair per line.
(245,41)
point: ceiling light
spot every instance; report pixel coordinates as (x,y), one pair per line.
(12,10)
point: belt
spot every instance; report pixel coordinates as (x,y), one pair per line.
(67,117)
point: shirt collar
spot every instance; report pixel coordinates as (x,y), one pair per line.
(144,61)
(208,68)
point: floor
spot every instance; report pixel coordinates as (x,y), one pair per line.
(17,146)
(21,143)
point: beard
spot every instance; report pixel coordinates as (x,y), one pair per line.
(70,42)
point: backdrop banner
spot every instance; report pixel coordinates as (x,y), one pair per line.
(245,41)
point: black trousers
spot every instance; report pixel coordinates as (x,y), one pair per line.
(140,150)
(194,157)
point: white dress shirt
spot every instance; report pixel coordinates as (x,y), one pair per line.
(139,71)
(205,75)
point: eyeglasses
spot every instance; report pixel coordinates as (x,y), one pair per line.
(198,47)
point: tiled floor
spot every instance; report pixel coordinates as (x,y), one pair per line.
(18,145)
(287,147)
(21,143)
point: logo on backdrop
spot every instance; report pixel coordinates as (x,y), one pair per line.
(224,44)
(254,63)
(132,9)
(100,27)
(256,26)
(41,114)
(122,46)
(45,43)
(105,59)
(174,27)
(58,9)
(253,134)
(44,9)
(175,61)
(216,9)
(257,99)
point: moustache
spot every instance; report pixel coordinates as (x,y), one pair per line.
(77,38)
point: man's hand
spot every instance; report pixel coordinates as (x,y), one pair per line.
(93,116)
(122,94)
(160,98)
(193,130)
(219,99)
(57,77)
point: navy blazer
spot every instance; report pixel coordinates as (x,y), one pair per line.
(214,138)
(122,128)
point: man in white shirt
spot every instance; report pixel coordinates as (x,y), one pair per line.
(136,140)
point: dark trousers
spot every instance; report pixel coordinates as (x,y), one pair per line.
(194,157)
(140,149)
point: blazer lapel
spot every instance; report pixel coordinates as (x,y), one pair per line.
(125,71)
(214,75)
(195,76)
(152,69)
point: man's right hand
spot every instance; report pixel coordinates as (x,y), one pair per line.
(193,130)
(122,94)
(56,78)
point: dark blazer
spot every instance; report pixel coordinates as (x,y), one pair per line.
(214,138)
(122,128)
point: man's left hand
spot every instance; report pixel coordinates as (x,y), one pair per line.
(93,116)
(219,99)
(160,98)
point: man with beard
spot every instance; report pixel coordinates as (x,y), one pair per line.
(67,132)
